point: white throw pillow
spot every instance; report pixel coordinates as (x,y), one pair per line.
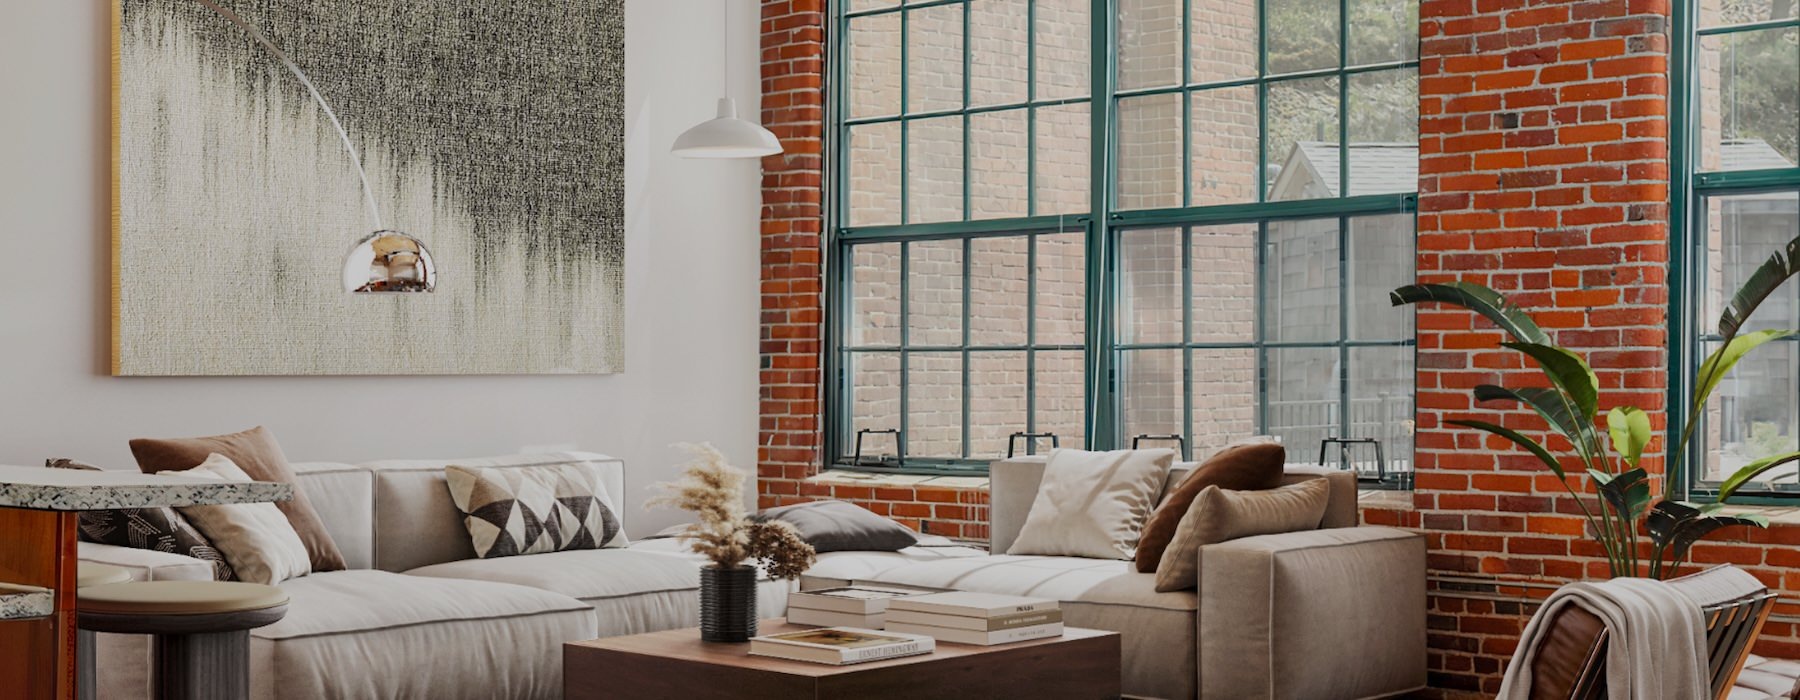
(1093,504)
(255,538)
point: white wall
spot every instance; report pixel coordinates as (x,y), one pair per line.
(691,288)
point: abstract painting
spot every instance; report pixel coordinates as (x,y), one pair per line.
(492,132)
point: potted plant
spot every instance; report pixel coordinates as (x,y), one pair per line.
(1569,407)
(736,544)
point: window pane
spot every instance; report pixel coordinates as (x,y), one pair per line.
(1750,99)
(874,65)
(999,279)
(861,5)
(934,170)
(1150,152)
(875,401)
(999,70)
(1384,132)
(998,180)
(1381,405)
(1381,259)
(1383,30)
(1224,401)
(1303,139)
(1301,275)
(934,59)
(1223,138)
(1061,289)
(1224,274)
(1303,397)
(1059,391)
(874,161)
(1715,13)
(1149,43)
(1302,34)
(997,382)
(934,294)
(1150,393)
(875,296)
(1150,292)
(1222,41)
(934,397)
(1753,414)
(1741,232)
(1062,48)
(1062,159)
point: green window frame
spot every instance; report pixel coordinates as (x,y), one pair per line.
(1102,223)
(1758,178)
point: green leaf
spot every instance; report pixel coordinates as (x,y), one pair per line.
(1600,478)
(1630,429)
(1568,372)
(1717,365)
(1628,493)
(1767,278)
(1479,299)
(1550,404)
(1753,470)
(1677,526)
(1517,438)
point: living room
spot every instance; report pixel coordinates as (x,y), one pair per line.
(900,348)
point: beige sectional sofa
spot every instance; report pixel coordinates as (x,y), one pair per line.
(1337,612)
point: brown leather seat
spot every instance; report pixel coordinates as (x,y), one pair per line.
(1568,662)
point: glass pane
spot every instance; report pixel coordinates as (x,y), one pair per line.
(1224,274)
(1222,41)
(934,402)
(934,295)
(1750,100)
(1753,414)
(1715,13)
(934,59)
(1223,140)
(1062,40)
(1381,259)
(874,402)
(874,188)
(1150,292)
(873,55)
(1149,43)
(1303,397)
(999,63)
(1061,289)
(999,184)
(1224,399)
(1059,394)
(1381,406)
(1302,281)
(861,5)
(934,170)
(1384,132)
(1382,31)
(1742,231)
(1000,286)
(1150,152)
(1302,34)
(875,296)
(997,382)
(1303,139)
(1151,393)
(1062,159)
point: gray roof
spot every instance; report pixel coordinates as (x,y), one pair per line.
(1751,154)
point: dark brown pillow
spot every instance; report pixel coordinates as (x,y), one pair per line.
(1251,466)
(158,529)
(256,452)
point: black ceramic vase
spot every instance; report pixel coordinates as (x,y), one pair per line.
(727,604)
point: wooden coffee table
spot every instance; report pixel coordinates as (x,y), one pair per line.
(1081,664)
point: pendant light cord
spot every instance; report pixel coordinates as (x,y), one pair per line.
(725,36)
(368,192)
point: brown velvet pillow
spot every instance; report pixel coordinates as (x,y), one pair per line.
(1253,466)
(256,452)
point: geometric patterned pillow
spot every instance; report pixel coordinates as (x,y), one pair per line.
(157,529)
(533,510)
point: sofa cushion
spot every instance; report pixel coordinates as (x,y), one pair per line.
(1093,504)
(1219,515)
(344,497)
(837,526)
(258,540)
(534,510)
(1251,466)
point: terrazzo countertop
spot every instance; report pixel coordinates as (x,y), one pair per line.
(25,602)
(39,488)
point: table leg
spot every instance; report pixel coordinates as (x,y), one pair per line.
(37,548)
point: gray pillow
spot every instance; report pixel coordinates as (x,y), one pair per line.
(836,526)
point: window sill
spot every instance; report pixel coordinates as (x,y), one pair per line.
(1384,499)
(1788,516)
(871,479)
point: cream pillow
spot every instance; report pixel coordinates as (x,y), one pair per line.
(255,538)
(1093,504)
(1218,515)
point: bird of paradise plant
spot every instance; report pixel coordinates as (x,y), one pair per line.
(1569,407)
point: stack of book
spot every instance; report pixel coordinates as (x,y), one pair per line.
(984,619)
(840,645)
(850,606)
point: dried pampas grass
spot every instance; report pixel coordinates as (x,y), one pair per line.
(713,490)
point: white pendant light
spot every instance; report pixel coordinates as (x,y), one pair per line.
(727,135)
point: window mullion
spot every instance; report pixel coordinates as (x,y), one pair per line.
(1101,382)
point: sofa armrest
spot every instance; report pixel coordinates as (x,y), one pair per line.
(1336,613)
(147,564)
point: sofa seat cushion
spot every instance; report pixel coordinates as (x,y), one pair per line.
(392,629)
(840,568)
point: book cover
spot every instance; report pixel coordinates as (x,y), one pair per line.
(960,636)
(832,618)
(859,600)
(977,624)
(972,604)
(841,645)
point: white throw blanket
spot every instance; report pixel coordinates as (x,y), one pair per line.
(1656,648)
